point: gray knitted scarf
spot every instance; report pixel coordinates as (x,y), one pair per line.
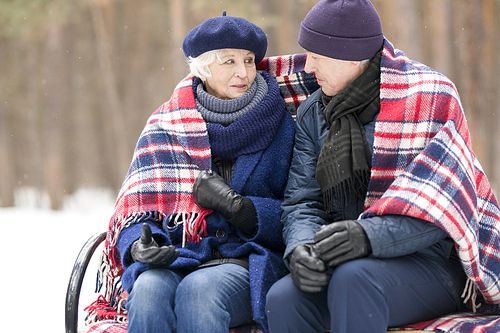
(226,112)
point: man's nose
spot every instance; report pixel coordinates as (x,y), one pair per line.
(308,68)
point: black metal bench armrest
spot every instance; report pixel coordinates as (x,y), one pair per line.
(76,279)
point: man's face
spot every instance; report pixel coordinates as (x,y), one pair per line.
(333,75)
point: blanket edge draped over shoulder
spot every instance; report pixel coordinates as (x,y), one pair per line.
(171,151)
(154,188)
(423,166)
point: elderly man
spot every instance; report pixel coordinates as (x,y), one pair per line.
(385,194)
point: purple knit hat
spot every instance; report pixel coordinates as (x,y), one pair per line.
(342,29)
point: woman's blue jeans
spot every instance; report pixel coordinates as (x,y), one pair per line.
(210,299)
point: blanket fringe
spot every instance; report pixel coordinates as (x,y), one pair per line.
(470,293)
(193,224)
(101,309)
(110,303)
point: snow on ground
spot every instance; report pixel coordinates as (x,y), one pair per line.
(37,253)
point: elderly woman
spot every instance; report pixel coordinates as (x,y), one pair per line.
(197,221)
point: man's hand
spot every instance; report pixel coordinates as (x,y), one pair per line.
(146,250)
(308,272)
(342,241)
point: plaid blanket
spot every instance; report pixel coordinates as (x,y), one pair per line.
(110,326)
(424,166)
(172,149)
(462,322)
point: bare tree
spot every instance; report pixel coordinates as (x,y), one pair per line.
(7,181)
(177,33)
(53,165)
(114,106)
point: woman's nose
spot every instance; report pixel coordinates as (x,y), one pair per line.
(241,71)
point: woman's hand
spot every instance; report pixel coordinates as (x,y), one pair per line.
(212,192)
(146,250)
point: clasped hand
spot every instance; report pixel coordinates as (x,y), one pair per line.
(333,245)
(307,270)
(341,241)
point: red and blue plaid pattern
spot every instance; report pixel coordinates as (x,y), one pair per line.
(462,322)
(295,85)
(110,326)
(172,149)
(424,166)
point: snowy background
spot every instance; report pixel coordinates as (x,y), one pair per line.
(37,253)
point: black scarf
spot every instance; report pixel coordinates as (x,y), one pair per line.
(344,163)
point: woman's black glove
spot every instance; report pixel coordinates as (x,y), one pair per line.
(146,250)
(212,192)
(342,241)
(307,270)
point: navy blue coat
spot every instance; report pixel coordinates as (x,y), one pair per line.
(303,213)
(261,177)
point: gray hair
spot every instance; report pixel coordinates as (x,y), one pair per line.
(199,65)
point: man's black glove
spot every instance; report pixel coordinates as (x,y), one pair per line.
(212,192)
(308,272)
(342,241)
(146,250)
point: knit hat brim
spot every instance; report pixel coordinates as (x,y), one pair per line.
(355,49)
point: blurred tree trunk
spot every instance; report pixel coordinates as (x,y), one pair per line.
(34,147)
(469,37)
(116,119)
(7,180)
(284,29)
(437,48)
(177,34)
(137,54)
(400,24)
(56,103)
(489,56)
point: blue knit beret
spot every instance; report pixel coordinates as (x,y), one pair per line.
(342,29)
(225,32)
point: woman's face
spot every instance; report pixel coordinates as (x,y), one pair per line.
(234,76)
